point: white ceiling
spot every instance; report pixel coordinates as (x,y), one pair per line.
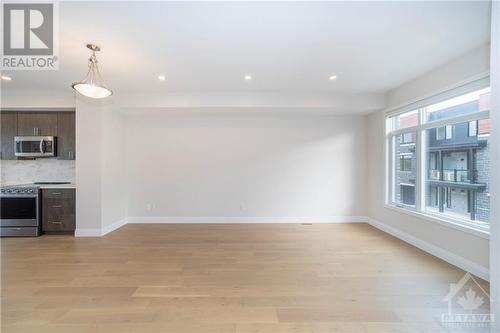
(286,46)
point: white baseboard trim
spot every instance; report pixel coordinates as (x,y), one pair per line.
(249,219)
(98,232)
(465,264)
(217,220)
(113,226)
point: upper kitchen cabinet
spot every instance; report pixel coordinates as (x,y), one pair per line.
(8,126)
(37,123)
(66,135)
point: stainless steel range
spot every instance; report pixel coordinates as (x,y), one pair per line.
(20,210)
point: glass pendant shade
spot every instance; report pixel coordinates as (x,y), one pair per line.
(91,90)
(93,85)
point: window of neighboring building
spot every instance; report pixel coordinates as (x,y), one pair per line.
(408,194)
(407,138)
(449,132)
(405,164)
(433,163)
(454,158)
(473,128)
(440,133)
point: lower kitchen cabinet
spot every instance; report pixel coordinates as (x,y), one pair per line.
(58,210)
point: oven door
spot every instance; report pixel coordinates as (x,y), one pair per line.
(19,211)
(34,146)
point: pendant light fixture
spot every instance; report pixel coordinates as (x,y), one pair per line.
(93,85)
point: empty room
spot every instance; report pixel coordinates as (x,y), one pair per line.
(250,166)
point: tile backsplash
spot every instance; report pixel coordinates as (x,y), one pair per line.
(29,171)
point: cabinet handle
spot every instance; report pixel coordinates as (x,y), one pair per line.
(55,222)
(57,206)
(56,193)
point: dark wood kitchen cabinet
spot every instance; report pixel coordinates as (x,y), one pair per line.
(66,135)
(8,126)
(36,123)
(58,210)
(61,124)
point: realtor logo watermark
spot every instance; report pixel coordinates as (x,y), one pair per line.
(468,305)
(30,36)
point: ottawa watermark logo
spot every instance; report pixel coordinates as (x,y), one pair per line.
(468,305)
(30,36)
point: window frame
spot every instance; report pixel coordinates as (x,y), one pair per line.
(419,130)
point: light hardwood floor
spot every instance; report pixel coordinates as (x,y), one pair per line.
(223,278)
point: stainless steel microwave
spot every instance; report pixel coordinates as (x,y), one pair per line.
(35,146)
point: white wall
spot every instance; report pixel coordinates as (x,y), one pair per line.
(466,250)
(36,98)
(255,168)
(100,193)
(475,63)
(113,167)
(88,171)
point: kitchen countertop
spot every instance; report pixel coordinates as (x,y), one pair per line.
(42,186)
(46,186)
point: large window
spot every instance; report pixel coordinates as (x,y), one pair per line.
(439,158)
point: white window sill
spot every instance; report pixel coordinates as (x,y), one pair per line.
(483,233)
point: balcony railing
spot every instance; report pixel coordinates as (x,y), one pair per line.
(452,175)
(434,174)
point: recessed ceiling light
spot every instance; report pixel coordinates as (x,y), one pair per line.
(161,77)
(6,78)
(333,77)
(248,77)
